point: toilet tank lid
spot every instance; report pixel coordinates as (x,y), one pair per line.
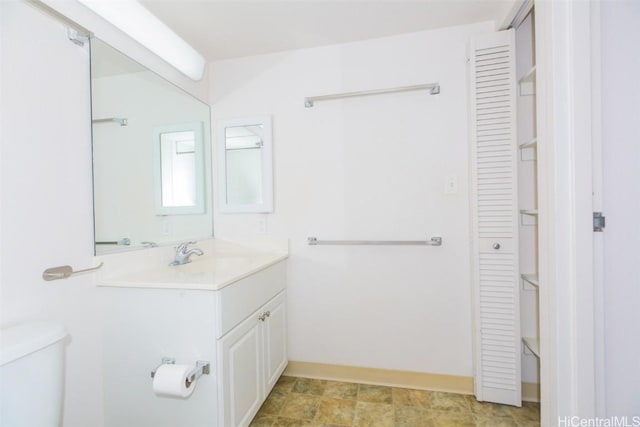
(21,340)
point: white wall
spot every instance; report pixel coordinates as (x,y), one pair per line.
(370,168)
(46,217)
(621,151)
(45,177)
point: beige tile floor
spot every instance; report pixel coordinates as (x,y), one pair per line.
(301,402)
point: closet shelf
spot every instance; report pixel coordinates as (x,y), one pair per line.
(528,150)
(529,216)
(529,144)
(531,278)
(528,82)
(532,344)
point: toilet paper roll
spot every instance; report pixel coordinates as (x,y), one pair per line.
(171,380)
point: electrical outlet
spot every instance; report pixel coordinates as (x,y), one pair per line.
(262,225)
(166,227)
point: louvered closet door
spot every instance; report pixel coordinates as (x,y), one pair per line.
(495,219)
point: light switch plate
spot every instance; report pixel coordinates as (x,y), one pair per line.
(451,184)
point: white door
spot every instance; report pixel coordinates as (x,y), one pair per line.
(621,204)
(275,341)
(240,357)
(497,340)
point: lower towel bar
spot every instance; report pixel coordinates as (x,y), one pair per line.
(434,241)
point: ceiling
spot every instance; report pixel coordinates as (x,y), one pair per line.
(222,29)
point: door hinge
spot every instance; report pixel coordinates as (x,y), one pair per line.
(598,221)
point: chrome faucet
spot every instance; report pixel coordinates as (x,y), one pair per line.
(183,256)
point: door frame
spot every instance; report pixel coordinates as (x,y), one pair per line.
(567,104)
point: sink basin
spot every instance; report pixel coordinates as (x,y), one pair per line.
(222,264)
(212,264)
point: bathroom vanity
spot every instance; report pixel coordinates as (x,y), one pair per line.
(227,307)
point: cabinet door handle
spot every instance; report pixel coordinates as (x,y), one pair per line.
(264,315)
(496,246)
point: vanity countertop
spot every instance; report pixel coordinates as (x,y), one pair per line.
(223,263)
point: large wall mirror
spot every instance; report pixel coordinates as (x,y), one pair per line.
(151,156)
(245,164)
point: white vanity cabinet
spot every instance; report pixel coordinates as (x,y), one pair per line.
(252,354)
(252,357)
(237,323)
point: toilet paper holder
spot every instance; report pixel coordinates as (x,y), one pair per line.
(202,368)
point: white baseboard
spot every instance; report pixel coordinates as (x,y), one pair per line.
(395,378)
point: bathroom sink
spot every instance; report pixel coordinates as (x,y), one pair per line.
(205,266)
(220,266)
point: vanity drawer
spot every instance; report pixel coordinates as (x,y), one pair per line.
(240,299)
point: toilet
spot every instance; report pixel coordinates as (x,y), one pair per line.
(31,375)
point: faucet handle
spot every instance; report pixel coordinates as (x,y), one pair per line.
(183,246)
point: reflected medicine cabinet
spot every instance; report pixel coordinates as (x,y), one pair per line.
(179,169)
(245,165)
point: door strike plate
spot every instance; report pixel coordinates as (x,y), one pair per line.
(598,222)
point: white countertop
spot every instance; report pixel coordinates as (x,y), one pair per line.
(223,263)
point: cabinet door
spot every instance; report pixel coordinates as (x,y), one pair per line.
(240,373)
(275,341)
(495,219)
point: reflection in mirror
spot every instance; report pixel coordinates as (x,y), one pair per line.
(178,168)
(151,156)
(243,152)
(244,147)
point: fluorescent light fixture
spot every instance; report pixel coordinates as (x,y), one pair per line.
(141,25)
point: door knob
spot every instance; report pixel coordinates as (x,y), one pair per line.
(496,246)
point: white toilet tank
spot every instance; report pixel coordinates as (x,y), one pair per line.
(31,375)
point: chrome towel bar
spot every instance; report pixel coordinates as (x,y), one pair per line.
(118,120)
(434,241)
(433,88)
(125,241)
